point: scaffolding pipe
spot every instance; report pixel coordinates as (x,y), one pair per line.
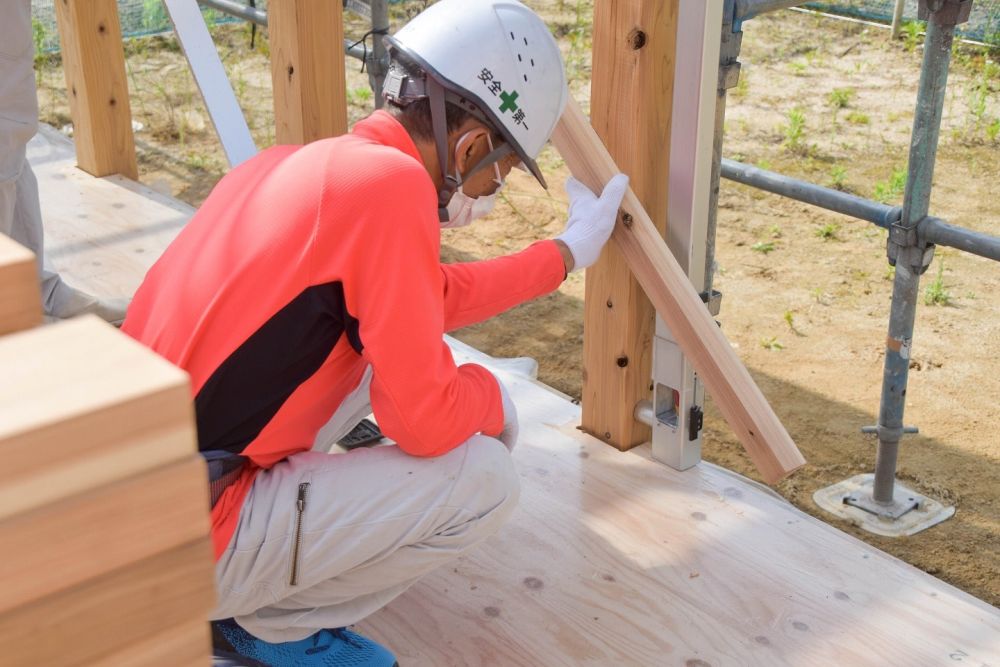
(729,73)
(747,9)
(909,256)
(882,215)
(929,230)
(937,231)
(237,9)
(259,16)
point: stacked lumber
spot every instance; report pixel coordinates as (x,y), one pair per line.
(103,500)
(20,299)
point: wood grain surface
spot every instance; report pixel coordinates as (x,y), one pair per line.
(307,69)
(94,63)
(614,559)
(86,535)
(83,405)
(735,393)
(109,613)
(631,103)
(20,296)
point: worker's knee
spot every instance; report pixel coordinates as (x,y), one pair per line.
(489,480)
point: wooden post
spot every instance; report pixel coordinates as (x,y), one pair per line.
(645,253)
(631,99)
(307,68)
(94,63)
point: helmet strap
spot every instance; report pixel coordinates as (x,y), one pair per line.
(439,122)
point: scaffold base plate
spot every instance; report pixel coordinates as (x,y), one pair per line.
(928,512)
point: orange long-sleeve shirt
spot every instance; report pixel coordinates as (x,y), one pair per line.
(305,264)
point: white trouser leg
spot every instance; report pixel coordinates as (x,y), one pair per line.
(375,521)
(20,214)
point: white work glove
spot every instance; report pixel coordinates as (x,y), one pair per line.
(508,435)
(591,218)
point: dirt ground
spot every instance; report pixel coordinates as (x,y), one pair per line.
(806,293)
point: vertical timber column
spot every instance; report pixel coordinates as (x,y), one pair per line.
(631,99)
(94,63)
(307,68)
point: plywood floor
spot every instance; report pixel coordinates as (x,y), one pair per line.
(611,558)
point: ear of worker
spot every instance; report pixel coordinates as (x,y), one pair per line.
(737,396)
(103,497)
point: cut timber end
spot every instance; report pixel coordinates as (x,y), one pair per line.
(20,296)
(738,397)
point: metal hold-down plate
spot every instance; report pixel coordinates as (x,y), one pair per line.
(909,514)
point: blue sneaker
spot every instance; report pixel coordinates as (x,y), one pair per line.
(326,648)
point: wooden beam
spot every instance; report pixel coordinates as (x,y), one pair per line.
(104,615)
(94,64)
(631,99)
(307,68)
(83,405)
(93,533)
(735,393)
(184,644)
(20,295)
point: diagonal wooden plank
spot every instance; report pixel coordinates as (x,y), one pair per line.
(739,398)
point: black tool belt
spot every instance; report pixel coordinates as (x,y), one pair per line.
(224,468)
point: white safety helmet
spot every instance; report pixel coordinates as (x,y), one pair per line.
(492,58)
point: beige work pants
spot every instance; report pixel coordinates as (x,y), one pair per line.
(370,523)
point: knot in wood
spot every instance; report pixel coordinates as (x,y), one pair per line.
(627,220)
(622,361)
(636,39)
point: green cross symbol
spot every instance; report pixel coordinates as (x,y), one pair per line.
(508,101)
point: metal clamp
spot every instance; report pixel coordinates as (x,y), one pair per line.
(713,300)
(944,12)
(889,434)
(904,244)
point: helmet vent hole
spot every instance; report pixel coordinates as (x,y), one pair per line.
(525,41)
(519,59)
(526,78)
(532,62)
(512,36)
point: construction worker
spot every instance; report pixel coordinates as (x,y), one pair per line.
(307,292)
(20,213)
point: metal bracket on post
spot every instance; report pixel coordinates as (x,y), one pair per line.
(904,244)
(676,412)
(944,12)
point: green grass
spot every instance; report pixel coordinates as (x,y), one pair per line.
(772,344)
(858,118)
(828,232)
(840,98)
(911,34)
(936,293)
(763,247)
(838,175)
(891,189)
(794,131)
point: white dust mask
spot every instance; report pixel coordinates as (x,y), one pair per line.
(463,209)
